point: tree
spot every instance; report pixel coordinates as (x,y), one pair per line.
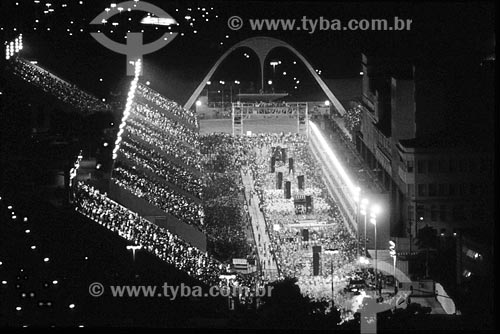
(288,308)
(352,118)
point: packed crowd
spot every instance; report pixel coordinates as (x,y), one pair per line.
(159,241)
(155,162)
(158,194)
(221,150)
(60,89)
(293,253)
(227,219)
(154,98)
(141,130)
(170,127)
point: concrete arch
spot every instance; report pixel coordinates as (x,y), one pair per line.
(262,46)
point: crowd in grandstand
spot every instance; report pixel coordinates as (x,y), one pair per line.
(57,87)
(155,162)
(158,194)
(160,142)
(154,98)
(156,240)
(169,126)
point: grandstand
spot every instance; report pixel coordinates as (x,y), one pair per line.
(194,211)
(157,170)
(50,83)
(49,257)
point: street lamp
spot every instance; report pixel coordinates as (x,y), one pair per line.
(392,252)
(274,64)
(356,194)
(364,205)
(237,82)
(222,95)
(332,252)
(374,211)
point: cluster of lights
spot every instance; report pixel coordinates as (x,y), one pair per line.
(14,47)
(55,282)
(275,63)
(76,166)
(363,260)
(128,107)
(193,17)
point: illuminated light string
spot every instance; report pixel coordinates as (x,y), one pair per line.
(128,107)
(354,189)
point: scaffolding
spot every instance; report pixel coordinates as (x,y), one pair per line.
(240,112)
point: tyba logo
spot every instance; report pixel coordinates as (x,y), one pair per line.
(134,49)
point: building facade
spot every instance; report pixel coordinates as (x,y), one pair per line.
(435,177)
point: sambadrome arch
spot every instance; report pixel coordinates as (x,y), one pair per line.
(262,46)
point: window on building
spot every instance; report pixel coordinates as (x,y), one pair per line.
(472,165)
(432,189)
(458,213)
(452,166)
(421,167)
(409,166)
(420,212)
(411,213)
(443,213)
(431,166)
(463,166)
(411,190)
(452,189)
(443,168)
(442,189)
(480,214)
(463,189)
(434,213)
(473,189)
(422,189)
(484,165)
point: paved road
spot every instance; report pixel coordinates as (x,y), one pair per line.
(268,265)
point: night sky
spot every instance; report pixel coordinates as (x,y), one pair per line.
(61,42)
